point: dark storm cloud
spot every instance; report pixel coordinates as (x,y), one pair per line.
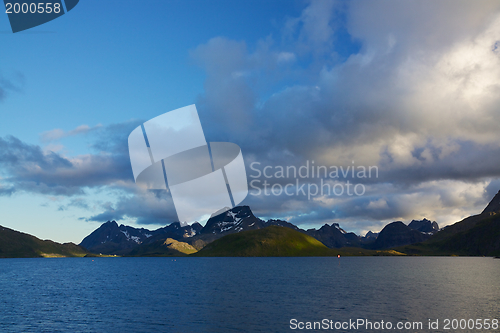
(6,191)
(113,139)
(420,101)
(26,167)
(150,207)
(371,99)
(15,154)
(470,162)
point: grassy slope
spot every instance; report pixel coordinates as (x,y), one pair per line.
(276,241)
(163,248)
(15,244)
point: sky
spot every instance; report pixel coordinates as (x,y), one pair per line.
(410,89)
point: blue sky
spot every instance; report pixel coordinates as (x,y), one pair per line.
(409,87)
(110,61)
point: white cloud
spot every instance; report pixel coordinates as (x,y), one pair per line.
(419,98)
(378,204)
(57,134)
(286,57)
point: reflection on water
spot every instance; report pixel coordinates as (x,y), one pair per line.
(239,294)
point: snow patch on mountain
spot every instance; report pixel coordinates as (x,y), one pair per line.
(133,238)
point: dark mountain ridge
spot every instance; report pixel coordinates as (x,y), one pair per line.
(15,244)
(398,234)
(477,235)
(494,206)
(110,238)
(334,237)
(430,227)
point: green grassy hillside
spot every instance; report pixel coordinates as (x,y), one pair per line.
(15,244)
(276,241)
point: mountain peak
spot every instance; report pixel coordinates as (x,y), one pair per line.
(494,205)
(109,224)
(424,225)
(233,220)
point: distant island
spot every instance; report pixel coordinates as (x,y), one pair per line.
(238,233)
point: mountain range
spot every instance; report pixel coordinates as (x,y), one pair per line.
(475,235)
(110,238)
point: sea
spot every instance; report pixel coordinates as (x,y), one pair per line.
(347,294)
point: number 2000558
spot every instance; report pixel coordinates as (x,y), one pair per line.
(32,8)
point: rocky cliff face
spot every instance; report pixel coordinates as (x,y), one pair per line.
(333,236)
(398,234)
(425,226)
(493,206)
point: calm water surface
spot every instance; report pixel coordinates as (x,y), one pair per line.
(240,294)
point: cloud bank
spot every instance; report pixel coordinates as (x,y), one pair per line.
(410,87)
(417,96)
